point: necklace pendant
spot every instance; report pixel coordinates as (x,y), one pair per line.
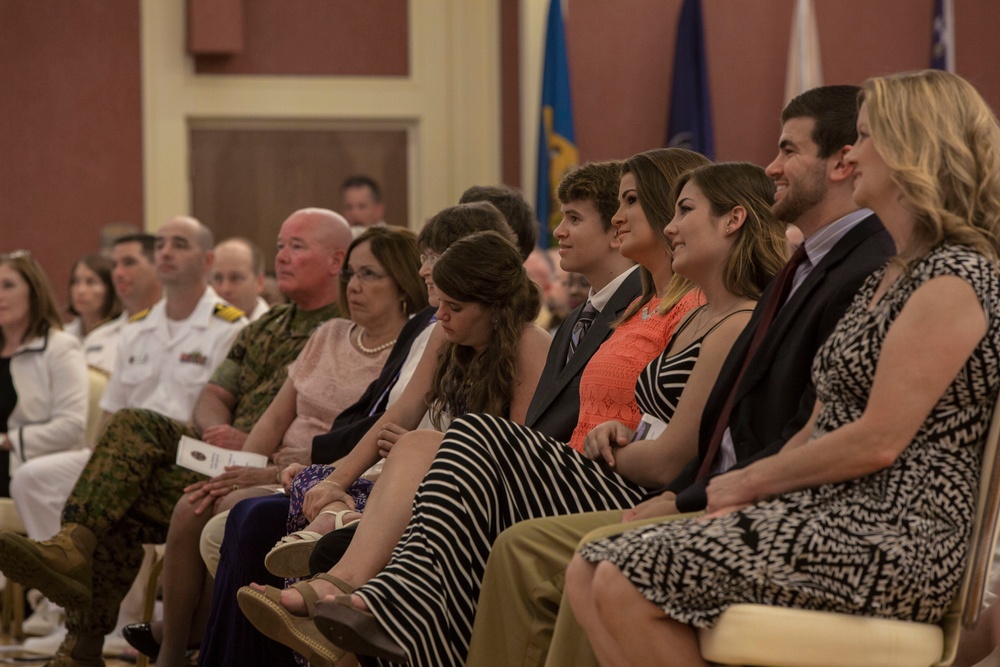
(645,313)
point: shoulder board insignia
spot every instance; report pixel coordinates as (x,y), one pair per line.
(228,313)
(141,315)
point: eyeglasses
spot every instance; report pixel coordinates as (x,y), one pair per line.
(364,274)
(429,259)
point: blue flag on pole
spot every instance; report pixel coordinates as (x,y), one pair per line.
(943,42)
(690,124)
(557,152)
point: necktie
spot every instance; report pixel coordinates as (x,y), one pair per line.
(587,316)
(782,286)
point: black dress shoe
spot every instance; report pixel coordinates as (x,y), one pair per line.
(140,637)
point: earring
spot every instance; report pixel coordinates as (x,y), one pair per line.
(405,313)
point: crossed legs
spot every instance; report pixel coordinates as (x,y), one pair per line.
(384,520)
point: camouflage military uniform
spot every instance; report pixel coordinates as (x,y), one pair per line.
(127,492)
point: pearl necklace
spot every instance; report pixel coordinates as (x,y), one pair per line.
(377,348)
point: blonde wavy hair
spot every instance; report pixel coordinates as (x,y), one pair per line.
(941,142)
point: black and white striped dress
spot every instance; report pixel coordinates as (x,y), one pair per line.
(489,474)
(892,543)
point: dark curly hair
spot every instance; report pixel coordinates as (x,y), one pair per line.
(483,268)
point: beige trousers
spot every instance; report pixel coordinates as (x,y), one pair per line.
(523,618)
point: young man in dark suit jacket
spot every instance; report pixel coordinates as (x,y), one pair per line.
(522,588)
(587,245)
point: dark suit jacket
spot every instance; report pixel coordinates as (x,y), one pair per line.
(555,407)
(775,397)
(354,421)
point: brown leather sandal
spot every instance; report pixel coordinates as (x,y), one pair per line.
(264,610)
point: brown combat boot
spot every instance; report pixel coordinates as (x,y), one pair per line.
(79,651)
(59,567)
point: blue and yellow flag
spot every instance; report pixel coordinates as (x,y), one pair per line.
(690,123)
(557,152)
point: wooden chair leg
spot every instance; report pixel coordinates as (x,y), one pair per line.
(17,626)
(12,611)
(6,607)
(149,599)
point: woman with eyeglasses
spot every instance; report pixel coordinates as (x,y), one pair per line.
(43,376)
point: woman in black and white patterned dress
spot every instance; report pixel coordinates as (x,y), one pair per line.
(868,509)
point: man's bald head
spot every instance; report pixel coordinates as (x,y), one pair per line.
(202,234)
(238,273)
(312,244)
(331,228)
(183,251)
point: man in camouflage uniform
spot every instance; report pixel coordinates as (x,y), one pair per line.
(126,494)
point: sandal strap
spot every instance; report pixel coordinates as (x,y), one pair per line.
(338,517)
(309,596)
(339,583)
(299,536)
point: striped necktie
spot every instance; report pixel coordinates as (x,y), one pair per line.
(587,317)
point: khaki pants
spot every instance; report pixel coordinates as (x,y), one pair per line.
(523,618)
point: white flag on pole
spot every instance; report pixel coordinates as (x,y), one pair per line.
(804,68)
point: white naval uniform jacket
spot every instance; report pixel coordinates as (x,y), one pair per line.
(155,371)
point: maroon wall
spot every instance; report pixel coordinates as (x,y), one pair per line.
(621,59)
(70,135)
(319,37)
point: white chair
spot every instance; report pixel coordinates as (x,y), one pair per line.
(764,636)
(97,381)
